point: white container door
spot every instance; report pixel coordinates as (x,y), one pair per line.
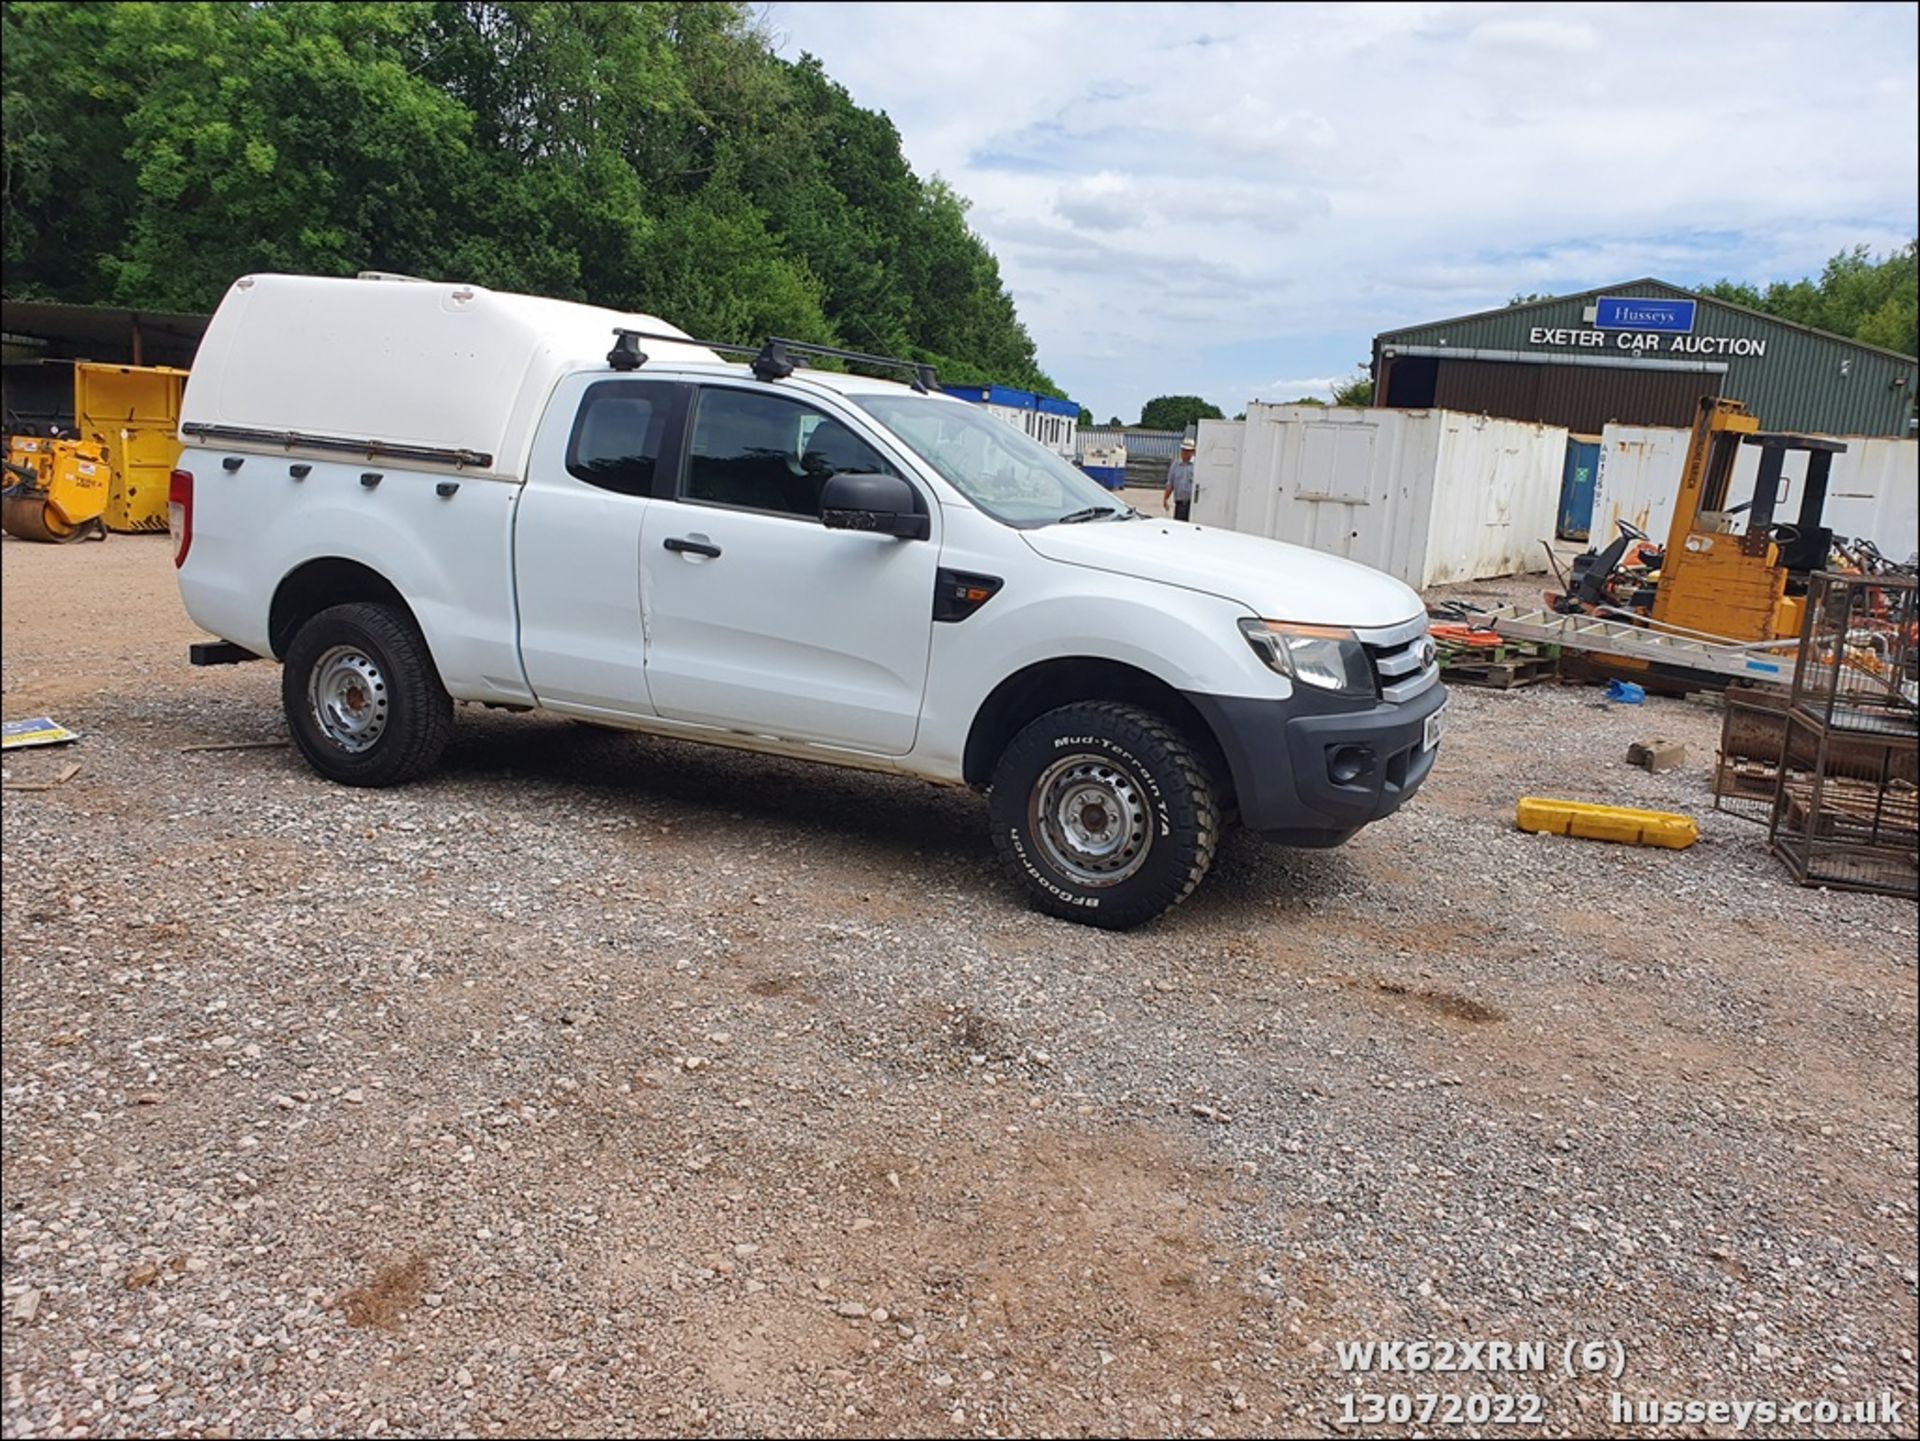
(1334,482)
(1216,473)
(1639,477)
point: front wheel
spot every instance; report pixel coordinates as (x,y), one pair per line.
(1104,813)
(363,699)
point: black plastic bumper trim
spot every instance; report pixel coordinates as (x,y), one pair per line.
(1280,754)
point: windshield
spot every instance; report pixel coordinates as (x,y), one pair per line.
(1010,476)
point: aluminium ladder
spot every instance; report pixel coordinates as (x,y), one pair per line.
(1670,648)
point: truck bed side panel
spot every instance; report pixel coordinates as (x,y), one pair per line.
(450,557)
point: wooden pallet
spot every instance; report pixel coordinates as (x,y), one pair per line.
(1744,787)
(1465,668)
(1851,805)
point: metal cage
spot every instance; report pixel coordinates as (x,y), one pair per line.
(1846,812)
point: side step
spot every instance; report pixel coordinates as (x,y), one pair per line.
(218,652)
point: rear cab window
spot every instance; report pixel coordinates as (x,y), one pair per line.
(626,434)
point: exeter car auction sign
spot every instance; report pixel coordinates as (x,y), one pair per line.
(1645,327)
(1647,342)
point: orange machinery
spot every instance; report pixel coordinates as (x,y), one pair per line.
(1724,574)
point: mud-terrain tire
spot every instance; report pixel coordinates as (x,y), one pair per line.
(1104,813)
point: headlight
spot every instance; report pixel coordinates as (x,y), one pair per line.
(1329,657)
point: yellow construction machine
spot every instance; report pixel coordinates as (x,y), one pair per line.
(111,472)
(56,489)
(1743,578)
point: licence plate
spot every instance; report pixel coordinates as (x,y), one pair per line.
(1436,723)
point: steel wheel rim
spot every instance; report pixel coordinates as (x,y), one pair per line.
(1091,820)
(349,698)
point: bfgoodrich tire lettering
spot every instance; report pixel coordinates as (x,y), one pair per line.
(1104,813)
(363,700)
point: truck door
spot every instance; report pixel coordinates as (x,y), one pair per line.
(577,536)
(759,618)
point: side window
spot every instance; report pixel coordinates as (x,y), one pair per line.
(619,435)
(765,452)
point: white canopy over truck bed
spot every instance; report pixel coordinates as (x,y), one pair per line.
(456,374)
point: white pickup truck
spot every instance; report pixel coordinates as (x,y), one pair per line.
(413,494)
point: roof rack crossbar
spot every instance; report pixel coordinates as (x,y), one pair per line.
(924,378)
(721,345)
(774,360)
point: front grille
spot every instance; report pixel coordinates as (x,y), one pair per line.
(1403,659)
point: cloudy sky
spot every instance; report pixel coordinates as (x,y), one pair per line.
(1231,200)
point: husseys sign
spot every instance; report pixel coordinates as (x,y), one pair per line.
(1643,327)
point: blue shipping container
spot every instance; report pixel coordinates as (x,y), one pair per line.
(1576,490)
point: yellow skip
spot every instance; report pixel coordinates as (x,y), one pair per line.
(1606,823)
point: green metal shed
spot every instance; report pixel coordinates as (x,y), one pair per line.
(1644,353)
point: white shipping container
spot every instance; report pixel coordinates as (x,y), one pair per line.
(1873,489)
(1055,432)
(1428,496)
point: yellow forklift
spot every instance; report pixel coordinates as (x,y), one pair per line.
(1725,573)
(1747,581)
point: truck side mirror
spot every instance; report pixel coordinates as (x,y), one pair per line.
(881,504)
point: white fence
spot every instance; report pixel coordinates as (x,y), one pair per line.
(1429,496)
(1873,489)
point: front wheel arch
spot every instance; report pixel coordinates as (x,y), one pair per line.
(1047,685)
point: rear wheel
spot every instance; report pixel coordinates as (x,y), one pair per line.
(1104,813)
(363,700)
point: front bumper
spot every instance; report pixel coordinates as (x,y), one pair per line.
(1285,757)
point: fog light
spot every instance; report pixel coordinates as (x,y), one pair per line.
(1348,764)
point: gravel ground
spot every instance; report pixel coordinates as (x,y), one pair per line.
(607,1084)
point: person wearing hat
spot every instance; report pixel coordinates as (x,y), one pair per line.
(1179,492)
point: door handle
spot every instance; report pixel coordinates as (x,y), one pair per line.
(681,546)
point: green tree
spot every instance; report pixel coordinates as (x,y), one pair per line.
(1307,400)
(1116,421)
(62,120)
(1176,412)
(657,157)
(1086,416)
(289,139)
(716,270)
(1872,299)
(1354,390)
